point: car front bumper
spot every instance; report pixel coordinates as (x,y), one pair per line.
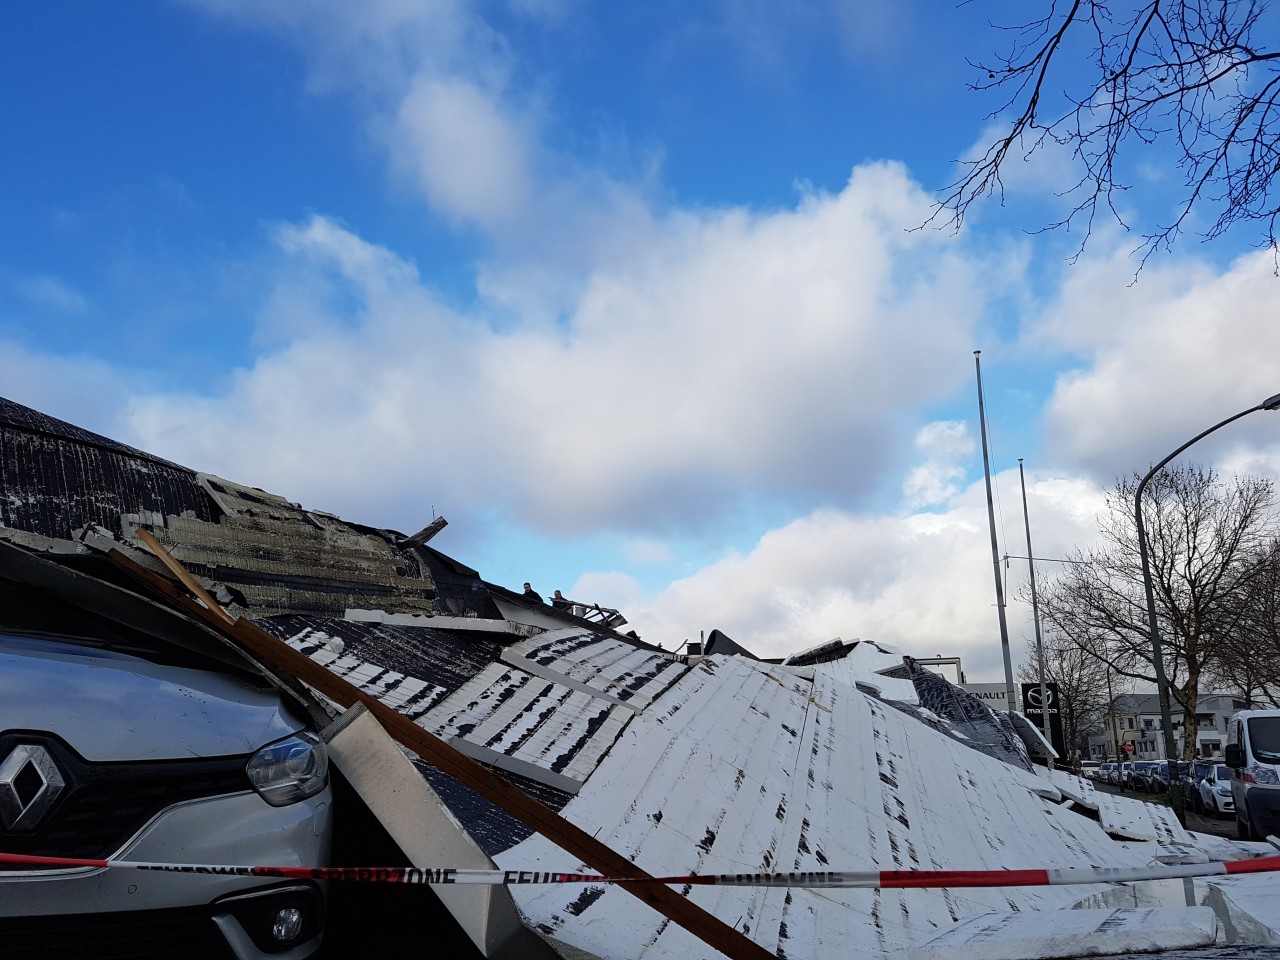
(240,829)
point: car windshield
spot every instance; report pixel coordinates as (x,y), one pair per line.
(1264,739)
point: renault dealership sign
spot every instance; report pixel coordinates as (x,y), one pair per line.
(994,695)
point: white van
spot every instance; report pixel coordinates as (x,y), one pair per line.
(1253,753)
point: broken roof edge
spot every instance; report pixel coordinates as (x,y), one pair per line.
(71,478)
(516,607)
(1032,736)
(30,420)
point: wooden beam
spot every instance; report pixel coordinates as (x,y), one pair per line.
(181,572)
(425,534)
(279,657)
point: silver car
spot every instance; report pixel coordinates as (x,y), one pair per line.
(107,755)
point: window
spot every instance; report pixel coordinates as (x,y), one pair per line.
(1130,722)
(1264,739)
(1148,724)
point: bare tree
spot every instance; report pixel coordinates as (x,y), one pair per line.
(1205,536)
(1250,665)
(1100,79)
(1082,686)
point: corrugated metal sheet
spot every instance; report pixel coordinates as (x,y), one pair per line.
(413,668)
(441,660)
(407,695)
(747,767)
(730,765)
(609,667)
(457,687)
(1120,816)
(1073,934)
(862,665)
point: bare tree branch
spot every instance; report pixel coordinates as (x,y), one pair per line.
(1195,74)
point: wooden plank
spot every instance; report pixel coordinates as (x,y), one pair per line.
(278,657)
(181,573)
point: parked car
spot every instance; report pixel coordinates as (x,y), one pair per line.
(106,754)
(1105,770)
(1089,769)
(1215,791)
(1169,773)
(1253,749)
(1195,772)
(1158,780)
(1141,774)
(1125,774)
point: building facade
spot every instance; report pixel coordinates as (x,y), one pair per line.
(1133,730)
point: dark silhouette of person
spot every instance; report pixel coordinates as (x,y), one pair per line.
(532,594)
(559,602)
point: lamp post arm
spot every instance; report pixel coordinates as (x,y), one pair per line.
(1270,404)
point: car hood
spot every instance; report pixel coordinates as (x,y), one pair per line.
(111,706)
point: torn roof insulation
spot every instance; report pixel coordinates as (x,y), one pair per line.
(269,555)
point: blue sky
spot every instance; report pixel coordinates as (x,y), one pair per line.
(630,293)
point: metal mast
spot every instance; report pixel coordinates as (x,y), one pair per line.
(995,549)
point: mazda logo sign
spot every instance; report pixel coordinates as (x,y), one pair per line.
(30,782)
(1034,700)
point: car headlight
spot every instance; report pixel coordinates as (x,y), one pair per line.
(1223,790)
(289,770)
(1263,774)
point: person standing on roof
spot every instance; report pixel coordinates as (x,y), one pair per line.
(559,602)
(532,594)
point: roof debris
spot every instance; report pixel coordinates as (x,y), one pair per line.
(847,756)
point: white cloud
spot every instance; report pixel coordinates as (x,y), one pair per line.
(467,156)
(611,589)
(924,582)
(768,353)
(436,82)
(946,446)
(1163,359)
(640,369)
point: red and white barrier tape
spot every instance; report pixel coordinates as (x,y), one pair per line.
(828,878)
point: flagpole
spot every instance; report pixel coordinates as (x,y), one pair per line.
(995,549)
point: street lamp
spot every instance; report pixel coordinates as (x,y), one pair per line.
(1157,652)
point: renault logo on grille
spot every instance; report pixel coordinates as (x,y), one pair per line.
(29,784)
